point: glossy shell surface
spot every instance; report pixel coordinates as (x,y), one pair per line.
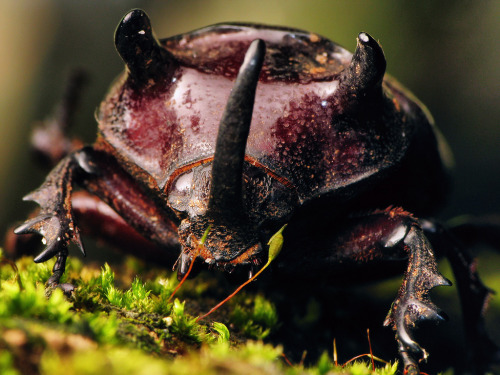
(301,132)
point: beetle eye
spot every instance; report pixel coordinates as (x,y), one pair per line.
(189,191)
(180,191)
(184,181)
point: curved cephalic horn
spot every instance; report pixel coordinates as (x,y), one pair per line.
(367,68)
(145,59)
(227,168)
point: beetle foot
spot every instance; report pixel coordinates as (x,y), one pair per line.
(55,220)
(57,272)
(66,288)
(56,234)
(404,316)
(410,366)
(413,304)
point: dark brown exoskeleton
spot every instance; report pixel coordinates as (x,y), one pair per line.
(244,128)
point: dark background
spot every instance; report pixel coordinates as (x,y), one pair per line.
(447,53)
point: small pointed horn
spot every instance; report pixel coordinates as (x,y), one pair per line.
(367,68)
(145,58)
(227,168)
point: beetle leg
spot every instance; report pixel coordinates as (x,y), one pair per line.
(55,220)
(474,295)
(57,272)
(413,303)
(50,140)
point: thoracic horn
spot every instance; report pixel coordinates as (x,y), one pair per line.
(227,168)
(367,68)
(145,58)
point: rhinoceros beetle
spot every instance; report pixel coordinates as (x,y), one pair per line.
(244,128)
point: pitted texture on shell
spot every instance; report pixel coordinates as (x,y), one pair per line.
(291,55)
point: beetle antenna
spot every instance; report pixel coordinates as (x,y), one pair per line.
(143,55)
(367,68)
(227,168)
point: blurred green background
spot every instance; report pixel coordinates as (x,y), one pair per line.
(447,53)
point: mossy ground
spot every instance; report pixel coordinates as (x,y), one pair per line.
(119,323)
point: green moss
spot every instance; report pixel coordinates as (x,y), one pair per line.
(109,361)
(223,333)
(255,317)
(185,326)
(118,323)
(252,358)
(22,296)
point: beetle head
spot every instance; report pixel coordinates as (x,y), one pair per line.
(226,245)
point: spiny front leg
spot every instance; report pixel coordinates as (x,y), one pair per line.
(54,221)
(413,304)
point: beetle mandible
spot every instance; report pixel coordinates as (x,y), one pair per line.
(244,128)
